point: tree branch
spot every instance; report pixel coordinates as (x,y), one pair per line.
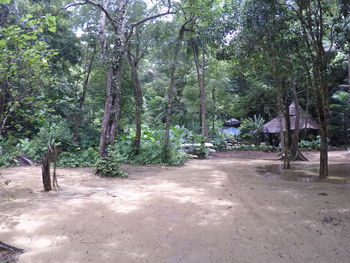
(88,2)
(133,25)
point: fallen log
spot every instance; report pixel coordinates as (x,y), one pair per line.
(24,160)
(10,248)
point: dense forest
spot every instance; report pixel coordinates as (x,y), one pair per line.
(131,81)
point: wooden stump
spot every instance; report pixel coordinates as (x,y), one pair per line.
(45,168)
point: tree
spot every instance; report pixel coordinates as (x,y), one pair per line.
(171,92)
(122,34)
(316,27)
(23,66)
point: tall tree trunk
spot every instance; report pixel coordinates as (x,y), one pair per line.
(349,73)
(323,116)
(102,28)
(214,108)
(347,110)
(79,115)
(106,114)
(3,95)
(133,62)
(87,78)
(319,71)
(285,127)
(171,92)
(111,115)
(311,18)
(295,150)
(200,68)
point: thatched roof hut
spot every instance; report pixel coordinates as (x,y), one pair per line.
(305,122)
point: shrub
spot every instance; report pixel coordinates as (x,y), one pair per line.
(262,147)
(7,153)
(109,165)
(251,130)
(58,133)
(82,158)
(151,150)
(202,151)
(313,145)
(222,140)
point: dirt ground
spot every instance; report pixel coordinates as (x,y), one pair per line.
(214,210)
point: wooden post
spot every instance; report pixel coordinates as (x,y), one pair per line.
(46,173)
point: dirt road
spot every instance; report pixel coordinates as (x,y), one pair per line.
(215,210)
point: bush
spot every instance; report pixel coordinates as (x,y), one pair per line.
(151,150)
(7,153)
(109,165)
(251,130)
(31,148)
(222,140)
(202,151)
(262,147)
(36,148)
(82,158)
(313,145)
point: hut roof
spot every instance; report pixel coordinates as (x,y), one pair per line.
(292,110)
(276,124)
(232,122)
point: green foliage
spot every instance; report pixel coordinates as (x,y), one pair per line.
(151,151)
(253,49)
(202,151)
(24,71)
(109,165)
(221,140)
(82,158)
(56,132)
(246,147)
(6,153)
(339,132)
(313,145)
(251,130)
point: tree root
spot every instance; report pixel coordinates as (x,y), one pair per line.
(299,156)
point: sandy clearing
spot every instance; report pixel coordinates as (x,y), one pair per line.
(215,210)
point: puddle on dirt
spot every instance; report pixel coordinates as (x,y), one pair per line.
(338,173)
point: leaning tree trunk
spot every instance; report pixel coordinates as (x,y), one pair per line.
(138,100)
(297,155)
(170,94)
